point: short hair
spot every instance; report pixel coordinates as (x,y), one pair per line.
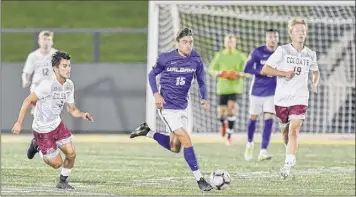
(58,56)
(45,33)
(184,32)
(229,36)
(293,22)
(272,30)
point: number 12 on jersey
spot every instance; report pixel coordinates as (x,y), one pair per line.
(180,81)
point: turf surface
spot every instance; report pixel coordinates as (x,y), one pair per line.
(117,165)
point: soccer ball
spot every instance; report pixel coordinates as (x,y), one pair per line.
(220,179)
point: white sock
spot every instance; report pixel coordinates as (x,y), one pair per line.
(150,134)
(197,174)
(262,151)
(66,171)
(250,144)
(230,131)
(290,160)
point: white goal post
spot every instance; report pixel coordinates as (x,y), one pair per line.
(331,34)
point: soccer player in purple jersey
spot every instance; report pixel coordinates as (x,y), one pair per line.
(177,70)
(261,95)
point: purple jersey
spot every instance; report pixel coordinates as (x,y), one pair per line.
(261,85)
(177,74)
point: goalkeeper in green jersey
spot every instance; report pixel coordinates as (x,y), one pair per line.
(228,65)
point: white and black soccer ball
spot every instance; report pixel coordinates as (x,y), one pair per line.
(220,179)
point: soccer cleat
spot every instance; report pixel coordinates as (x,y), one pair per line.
(249,151)
(203,185)
(32,150)
(264,156)
(64,185)
(285,171)
(223,129)
(142,130)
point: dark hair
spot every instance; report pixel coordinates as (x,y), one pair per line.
(184,32)
(58,56)
(271,30)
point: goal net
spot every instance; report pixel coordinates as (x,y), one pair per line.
(331,34)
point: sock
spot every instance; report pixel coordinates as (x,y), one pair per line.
(162,139)
(262,151)
(251,126)
(40,153)
(290,160)
(266,135)
(191,160)
(65,173)
(231,122)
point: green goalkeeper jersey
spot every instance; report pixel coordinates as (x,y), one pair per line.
(228,61)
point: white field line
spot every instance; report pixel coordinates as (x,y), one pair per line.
(165,180)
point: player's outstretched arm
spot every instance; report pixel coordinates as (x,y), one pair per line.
(31,99)
(75,112)
(269,71)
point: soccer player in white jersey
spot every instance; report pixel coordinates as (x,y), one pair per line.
(38,62)
(51,135)
(291,64)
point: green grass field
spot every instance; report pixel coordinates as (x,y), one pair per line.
(76,14)
(108,165)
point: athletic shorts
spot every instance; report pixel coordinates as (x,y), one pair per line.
(285,114)
(229,97)
(48,142)
(174,119)
(259,104)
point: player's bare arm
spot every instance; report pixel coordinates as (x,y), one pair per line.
(269,71)
(158,100)
(75,112)
(315,81)
(26,80)
(31,99)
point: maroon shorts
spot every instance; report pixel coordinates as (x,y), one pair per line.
(285,114)
(48,142)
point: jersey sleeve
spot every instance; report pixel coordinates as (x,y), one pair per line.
(70,98)
(250,66)
(43,89)
(276,58)
(156,70)
(314,65)
(214,67)
(243,59)
(200,73)
(29,67)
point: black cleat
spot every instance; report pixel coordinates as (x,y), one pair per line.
(32,150)
(64,185)
(142,130)
(203,185)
